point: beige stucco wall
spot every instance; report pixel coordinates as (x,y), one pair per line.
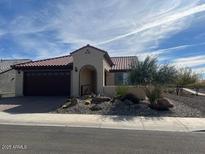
(19,83)
(7,83)
(11,83)
(88,56)
(87,76)
(137,91)
(110,78)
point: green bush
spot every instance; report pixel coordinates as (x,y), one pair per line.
(153,94)
(131,97)
(186,76)
(121,91)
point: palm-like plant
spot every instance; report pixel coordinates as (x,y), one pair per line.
(149,72)
(143,72)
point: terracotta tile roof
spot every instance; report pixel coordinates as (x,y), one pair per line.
(122,63)
(51,62)
(5,64)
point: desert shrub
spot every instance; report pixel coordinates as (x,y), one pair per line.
(153,94)
(131,98)
(121,91)
(148,71)
(165,74)
(185,76)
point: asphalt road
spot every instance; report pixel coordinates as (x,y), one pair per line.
(44,139)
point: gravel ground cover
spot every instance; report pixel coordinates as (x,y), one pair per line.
(184,106)
(189,105)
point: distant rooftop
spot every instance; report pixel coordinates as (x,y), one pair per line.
(5,64)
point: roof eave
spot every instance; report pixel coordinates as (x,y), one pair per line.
(69,66)
(108,59)
(121,70)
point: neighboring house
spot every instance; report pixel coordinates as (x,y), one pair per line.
(8,76)
(85,71)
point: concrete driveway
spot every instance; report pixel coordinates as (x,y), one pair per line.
(32,104)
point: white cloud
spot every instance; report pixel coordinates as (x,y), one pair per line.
(162,53)
(167,19)
(123,27)
(45,49)
(130,26)
(200,71)
(190,61)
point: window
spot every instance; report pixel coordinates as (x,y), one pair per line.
(125,78)
(121,78)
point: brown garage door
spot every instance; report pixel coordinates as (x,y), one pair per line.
(47,83)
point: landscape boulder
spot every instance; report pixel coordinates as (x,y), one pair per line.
(162,104)
(87,101)
(165,102)
(65,106)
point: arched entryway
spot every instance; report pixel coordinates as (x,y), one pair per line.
(88,80)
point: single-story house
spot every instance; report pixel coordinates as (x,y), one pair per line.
(86,70)
(8,76)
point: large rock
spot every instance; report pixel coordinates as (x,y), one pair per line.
(87,101)
(162,104)
(165,102)
(100,99)
(65,106)
(131,97)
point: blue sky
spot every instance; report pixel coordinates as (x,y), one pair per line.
(173,30)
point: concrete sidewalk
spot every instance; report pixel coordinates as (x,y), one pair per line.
(100,121)
(193,92)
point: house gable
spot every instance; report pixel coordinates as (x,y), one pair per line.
(88,49)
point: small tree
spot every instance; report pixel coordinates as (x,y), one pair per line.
(185,76)
(143,72)
(166,74)
(149,72)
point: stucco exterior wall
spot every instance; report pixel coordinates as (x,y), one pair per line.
(88,56)
(19,83)
(7,83)
(110,79)
(11,83)
(106,68)
(87,76)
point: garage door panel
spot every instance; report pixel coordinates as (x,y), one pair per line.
(46,83)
